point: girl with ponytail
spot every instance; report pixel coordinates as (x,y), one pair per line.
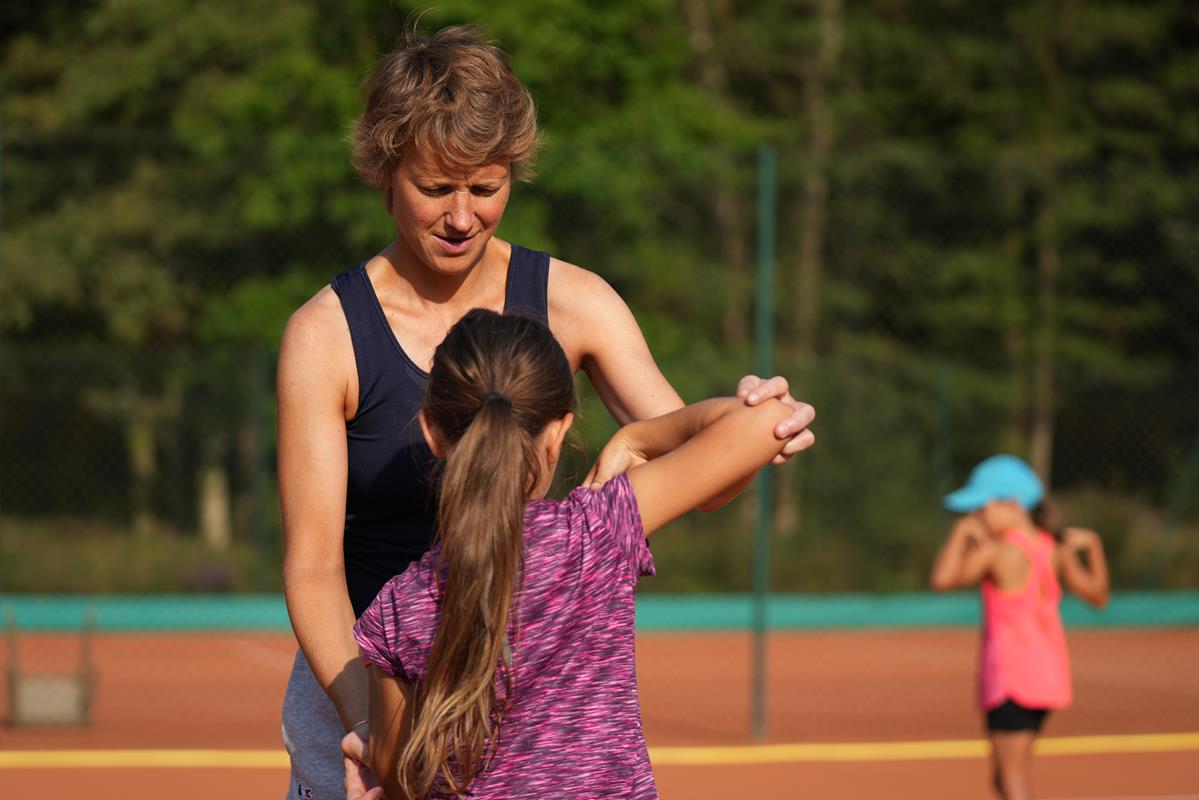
(501,664)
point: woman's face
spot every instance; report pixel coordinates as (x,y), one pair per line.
(445,217)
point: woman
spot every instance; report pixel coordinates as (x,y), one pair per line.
(446,129)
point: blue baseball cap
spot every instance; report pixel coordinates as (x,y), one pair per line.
(1002,477)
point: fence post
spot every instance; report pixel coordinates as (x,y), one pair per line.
(763,337)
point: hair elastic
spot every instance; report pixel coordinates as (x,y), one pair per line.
(497,397)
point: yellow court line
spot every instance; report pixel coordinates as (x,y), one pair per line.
(18,759)
(661,756)
(919,750)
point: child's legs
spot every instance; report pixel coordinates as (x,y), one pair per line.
(1012,729)
(1011,754)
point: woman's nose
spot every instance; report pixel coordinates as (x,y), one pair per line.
(460,213)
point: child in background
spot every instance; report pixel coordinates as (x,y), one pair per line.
(502,663)
(1009,540)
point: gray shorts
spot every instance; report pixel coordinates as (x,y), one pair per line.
(312,734)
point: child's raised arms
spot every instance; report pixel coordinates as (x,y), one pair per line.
(1088,580)
(696,453)
(967,556)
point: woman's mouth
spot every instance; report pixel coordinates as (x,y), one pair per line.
(454,244)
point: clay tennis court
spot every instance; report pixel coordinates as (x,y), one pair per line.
(851,715)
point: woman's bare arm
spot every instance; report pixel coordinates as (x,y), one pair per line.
(312,486)
(599,331)
(700,451)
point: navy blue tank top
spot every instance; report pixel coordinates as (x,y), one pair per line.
(390,507)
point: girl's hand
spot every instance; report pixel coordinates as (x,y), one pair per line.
(360,782)
(970,529)
(753,390)
(1078,539)
(618,457)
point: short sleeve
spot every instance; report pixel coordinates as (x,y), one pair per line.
(396,631)
(376,628)
(616,504)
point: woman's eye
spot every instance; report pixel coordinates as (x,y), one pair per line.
(434,191)
(484,191)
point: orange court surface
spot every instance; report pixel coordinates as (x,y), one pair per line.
(863,714)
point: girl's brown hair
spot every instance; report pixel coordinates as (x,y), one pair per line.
(1047,517)
(496,382)
(451,95)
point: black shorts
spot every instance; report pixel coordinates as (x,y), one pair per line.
(1011,716)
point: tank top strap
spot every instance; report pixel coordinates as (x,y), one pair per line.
(528,284)
(372,338)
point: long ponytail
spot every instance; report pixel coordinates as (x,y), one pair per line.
(495,384)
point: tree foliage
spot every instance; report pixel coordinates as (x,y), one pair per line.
(986,236)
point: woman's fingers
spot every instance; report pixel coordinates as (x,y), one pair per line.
(802,415)
(763,390)
(796,444)
(746,385)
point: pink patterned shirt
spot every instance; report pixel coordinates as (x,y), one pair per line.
(573,729)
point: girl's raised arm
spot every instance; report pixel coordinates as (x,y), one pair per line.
(1088,580)
(964,559)
(698,452)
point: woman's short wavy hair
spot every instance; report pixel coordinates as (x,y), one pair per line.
(451,95)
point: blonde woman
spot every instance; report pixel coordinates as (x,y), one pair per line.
(446,129)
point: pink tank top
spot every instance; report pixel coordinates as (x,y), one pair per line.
(1024,655)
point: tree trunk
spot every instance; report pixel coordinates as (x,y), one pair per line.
(216,511)
(1048,267)
(813,211)
(141,446)
(1015,313)
(1048,257)
(819,72)
(726,206)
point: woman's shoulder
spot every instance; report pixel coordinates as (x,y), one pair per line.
(586,313)
(320,315)
(568,281)
(316,341)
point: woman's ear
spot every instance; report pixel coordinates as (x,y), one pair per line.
(433,436)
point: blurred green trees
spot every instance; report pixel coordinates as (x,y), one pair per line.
(987,243)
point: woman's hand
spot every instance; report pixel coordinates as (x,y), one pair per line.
(360,782)
(753,390)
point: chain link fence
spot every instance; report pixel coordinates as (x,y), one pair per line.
(934,314)
(950,320)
